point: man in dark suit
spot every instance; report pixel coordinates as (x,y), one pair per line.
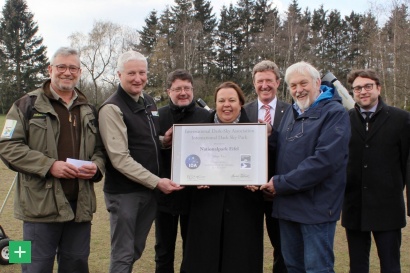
(266,80)
(377,172)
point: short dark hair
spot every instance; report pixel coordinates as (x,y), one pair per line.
(235,87)
(363,73)
(179,74)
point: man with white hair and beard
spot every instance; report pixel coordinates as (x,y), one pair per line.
(312,153)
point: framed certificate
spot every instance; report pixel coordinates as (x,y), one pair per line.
(219,154)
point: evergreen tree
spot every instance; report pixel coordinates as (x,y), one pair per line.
(185,34)
(335,50)
(252,30)
(317,39)
(149,34)
(295,32)
(166,32)
(23,54)
(267,43)
(355,35)
(371,42)
(294,36)
(227,44)
(246,37)
(206,18)
(262,13)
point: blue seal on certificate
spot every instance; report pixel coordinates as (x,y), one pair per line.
(192,161)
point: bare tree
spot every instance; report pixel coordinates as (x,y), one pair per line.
(97,50)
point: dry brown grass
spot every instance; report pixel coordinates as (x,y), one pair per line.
(100,242)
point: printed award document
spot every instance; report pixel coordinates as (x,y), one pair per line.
(220,154)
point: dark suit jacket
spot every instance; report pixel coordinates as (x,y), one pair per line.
(377,170)
(252,112)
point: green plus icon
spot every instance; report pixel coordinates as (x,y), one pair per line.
(19,252)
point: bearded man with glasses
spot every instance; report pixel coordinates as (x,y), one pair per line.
(54,198)
(312,153)
(377,173)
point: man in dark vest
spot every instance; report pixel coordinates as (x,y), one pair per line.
(174,207)
(129,130)
(268,108)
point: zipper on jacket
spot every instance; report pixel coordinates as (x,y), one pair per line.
(71,119)
(153,133)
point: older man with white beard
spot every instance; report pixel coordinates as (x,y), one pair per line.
(312,152)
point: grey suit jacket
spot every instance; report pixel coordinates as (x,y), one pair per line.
(251,109)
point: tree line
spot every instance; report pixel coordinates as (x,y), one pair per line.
(216,48)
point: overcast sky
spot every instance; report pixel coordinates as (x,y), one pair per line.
(57,20)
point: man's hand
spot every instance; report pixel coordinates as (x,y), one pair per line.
(62,169)
(167,186)
(87,171)
(269,126)
(167,140)
(252,188)
(268,187)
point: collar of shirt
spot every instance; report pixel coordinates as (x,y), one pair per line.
(373,109)
(272,104)
(57,97)
(262,111)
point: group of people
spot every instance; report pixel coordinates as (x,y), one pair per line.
(323,161)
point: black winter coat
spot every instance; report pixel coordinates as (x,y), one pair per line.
(225,231)
(178,201)
(377,170)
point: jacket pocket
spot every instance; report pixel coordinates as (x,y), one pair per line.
(36,200)
(38,134)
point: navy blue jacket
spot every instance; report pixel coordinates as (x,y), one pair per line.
(312,155)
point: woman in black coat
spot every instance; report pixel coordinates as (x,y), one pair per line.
(225,231)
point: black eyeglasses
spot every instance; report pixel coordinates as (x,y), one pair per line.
(290,129)
(179,89)
(368,87)
(63,68)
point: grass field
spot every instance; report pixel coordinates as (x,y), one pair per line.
(100,243)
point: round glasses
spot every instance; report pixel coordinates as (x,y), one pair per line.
(368,87)
(179,89)
(63,68)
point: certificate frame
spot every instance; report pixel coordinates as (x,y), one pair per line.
(229,154)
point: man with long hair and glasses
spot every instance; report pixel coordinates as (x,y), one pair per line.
(376,175)
(312,154)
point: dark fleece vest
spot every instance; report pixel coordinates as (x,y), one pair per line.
(143,141)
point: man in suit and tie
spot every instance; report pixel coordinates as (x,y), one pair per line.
(266,80)
(377,172)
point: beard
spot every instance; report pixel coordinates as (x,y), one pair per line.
(303,105)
